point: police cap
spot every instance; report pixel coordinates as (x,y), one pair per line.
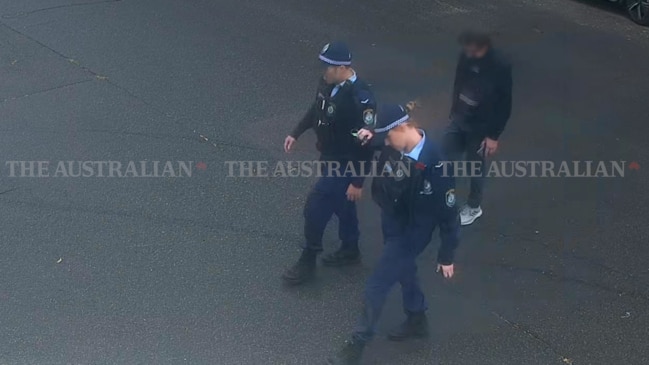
(388,117)
(336,54)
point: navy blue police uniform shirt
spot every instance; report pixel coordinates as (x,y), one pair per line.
(426,198)
(337,111)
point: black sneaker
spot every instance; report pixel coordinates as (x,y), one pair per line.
(342,258)
(301,272)
(415,326)
(350,354)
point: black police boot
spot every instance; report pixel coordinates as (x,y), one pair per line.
(342,257)
(303,270)
(415,326)
(350,354)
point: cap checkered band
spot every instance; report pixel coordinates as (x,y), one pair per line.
(336,63)
(392,125)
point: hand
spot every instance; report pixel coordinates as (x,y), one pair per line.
(490,146)
(447,270)
(288,143)
(354,193)
(365,135)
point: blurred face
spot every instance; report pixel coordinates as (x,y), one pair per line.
(474,51)
(334,74)
(397,138)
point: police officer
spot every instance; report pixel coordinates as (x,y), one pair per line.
(415,197)
(343,101)
(482,101)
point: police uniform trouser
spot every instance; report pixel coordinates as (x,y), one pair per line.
(460,145)
(396,265)
(328,197)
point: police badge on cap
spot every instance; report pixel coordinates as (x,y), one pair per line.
(325,48)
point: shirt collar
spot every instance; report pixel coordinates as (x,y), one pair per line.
(414,154)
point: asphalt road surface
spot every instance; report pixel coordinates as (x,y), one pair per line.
(187,270)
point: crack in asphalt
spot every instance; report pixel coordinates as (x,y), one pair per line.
(520,328)
(452,9)
(205,138)
(120,133)
(166,220)
(263,234)
(603,266)
(552,275)
(636,294)
(45,90)
(128,92)
(131,94)
(114,84)
(71,60)
(593,262)
(26,13)
(516,326)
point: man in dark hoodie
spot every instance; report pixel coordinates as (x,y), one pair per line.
(482,100)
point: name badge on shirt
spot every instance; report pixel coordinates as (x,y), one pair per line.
(394,169)
(331,109)
(399,174)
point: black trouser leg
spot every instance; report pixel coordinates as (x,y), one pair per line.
(473,144)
